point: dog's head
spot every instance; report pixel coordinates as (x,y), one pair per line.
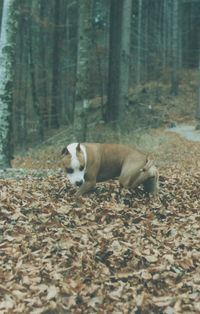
(74,163)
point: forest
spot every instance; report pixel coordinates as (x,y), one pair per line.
(99,71)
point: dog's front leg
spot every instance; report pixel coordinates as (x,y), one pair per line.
(151,184)
(87,186)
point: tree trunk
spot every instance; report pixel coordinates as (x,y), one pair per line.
(146,43)
(1,9)
(83,70)
(42,88)
(138,75)
(120,27)
(175,52)
(165,32)
(198,101)
(36,103)
(7,51)
(124,63)
(169,32)
(114,57)
(55,109)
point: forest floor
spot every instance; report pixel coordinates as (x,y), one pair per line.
(111,251)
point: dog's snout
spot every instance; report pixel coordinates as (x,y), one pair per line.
(79,183)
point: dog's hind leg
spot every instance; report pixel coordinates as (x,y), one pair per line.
(141,173)
(130,171)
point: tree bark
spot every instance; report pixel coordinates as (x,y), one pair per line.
(120,28)
(165,32)
(112,108)
(138,78)
(34,90)
(42,88)
(83,71)
(56,99)
(175,52)
(7,52)
(124,63)
(198,100)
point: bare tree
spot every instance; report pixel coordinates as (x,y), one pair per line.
(82,72)
(112,107)
(7,49)
(139,29)
(56,99)
(175,47)
(124,62)
(33,76)
(166,22)
(198,101)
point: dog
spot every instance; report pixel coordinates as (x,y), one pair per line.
(88,163)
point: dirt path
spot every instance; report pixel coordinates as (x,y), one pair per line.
(187,131)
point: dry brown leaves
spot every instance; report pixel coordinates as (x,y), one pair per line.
(109,252)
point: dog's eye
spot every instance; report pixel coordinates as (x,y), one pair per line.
(81,168)
(69,170)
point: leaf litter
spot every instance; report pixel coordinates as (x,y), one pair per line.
(111,251)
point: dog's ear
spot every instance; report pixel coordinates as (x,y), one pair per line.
(65,151)
(78,148)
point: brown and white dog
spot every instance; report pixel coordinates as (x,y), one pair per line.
(88,163)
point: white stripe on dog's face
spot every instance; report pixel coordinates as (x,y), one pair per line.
(78,164)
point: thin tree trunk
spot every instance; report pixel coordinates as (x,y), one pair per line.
(165,30)
(167,34)
(36,104)
(83,71)
(198,100)
(7,52)
(1,10)
(124,62)
(43,72)
(55,109)
(180,37)
(146,42)
(175,53)
(138,78)
(112,109)
(20,100)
